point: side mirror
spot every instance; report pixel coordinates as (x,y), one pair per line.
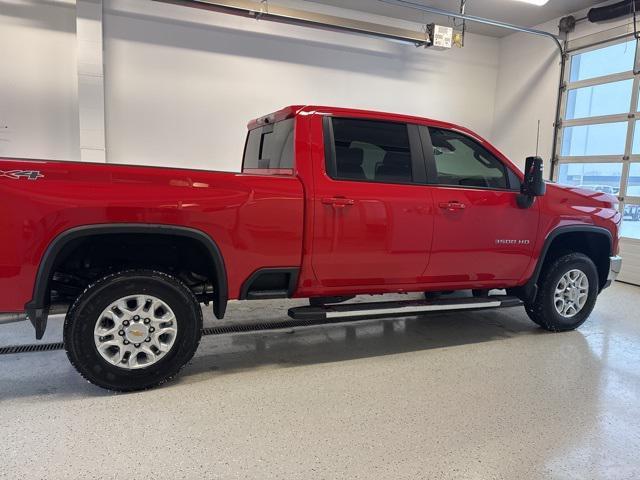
(534,184)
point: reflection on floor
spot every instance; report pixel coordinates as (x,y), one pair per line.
(465,395)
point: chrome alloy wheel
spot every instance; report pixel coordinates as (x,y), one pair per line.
(135,331)
(571,293)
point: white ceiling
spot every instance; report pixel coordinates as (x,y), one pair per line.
(508,11)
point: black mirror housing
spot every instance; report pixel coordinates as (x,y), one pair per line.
(534,184)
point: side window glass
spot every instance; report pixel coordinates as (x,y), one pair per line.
(270,146)
(373,151)
(461,161)
(514,181)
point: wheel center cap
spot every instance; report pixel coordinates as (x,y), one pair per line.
(573,294)
(136,332)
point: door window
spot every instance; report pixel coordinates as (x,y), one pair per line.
(461,161)
(370,151)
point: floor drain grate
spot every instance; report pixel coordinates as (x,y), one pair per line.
(36,347)
(254,327)
(265,326)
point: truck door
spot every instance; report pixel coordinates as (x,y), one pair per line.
(373,215)
(480,232)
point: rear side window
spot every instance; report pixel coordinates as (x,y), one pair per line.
(461,161)
(371,151)
(270,146)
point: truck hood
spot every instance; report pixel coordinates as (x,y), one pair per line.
(581,196)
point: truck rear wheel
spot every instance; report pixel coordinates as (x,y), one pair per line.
(133,330)
(568,288)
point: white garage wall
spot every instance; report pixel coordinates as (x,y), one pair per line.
(181,84)
(527,89)
(38,80)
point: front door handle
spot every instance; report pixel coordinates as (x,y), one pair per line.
(338,202)
(452,206)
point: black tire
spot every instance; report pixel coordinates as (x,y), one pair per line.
(82,317)
(543,311)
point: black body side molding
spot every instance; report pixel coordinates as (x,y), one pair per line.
(38,308)
(270,283)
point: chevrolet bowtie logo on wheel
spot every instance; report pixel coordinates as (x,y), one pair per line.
(18,174)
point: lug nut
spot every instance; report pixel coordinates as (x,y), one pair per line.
(126,342)
(136,318)
(152,329)
(121,333)
(137,345)
(148,339)
(126,323)
(146,320)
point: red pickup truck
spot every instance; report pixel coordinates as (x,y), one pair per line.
(331,203)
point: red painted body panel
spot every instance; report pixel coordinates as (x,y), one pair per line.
(464,253)
(256,221)
(383,238)
(565,206)
(468,247)
(394,238)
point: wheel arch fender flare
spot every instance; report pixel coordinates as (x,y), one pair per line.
(531,287)
(37,309)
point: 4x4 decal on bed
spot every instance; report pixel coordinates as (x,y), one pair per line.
(18,174)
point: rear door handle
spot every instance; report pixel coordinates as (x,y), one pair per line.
(452,205)
(338,202)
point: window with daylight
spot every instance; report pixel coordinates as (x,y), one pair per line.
(600,127)
(371,151)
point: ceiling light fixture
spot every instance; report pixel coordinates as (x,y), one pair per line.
(537,3)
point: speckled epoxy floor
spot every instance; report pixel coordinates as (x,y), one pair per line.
(479,395)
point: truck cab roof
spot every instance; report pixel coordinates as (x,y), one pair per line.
(294,110)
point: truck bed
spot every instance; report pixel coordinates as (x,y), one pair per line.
(256,221)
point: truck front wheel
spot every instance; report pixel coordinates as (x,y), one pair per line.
(133,330)
(568,288)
